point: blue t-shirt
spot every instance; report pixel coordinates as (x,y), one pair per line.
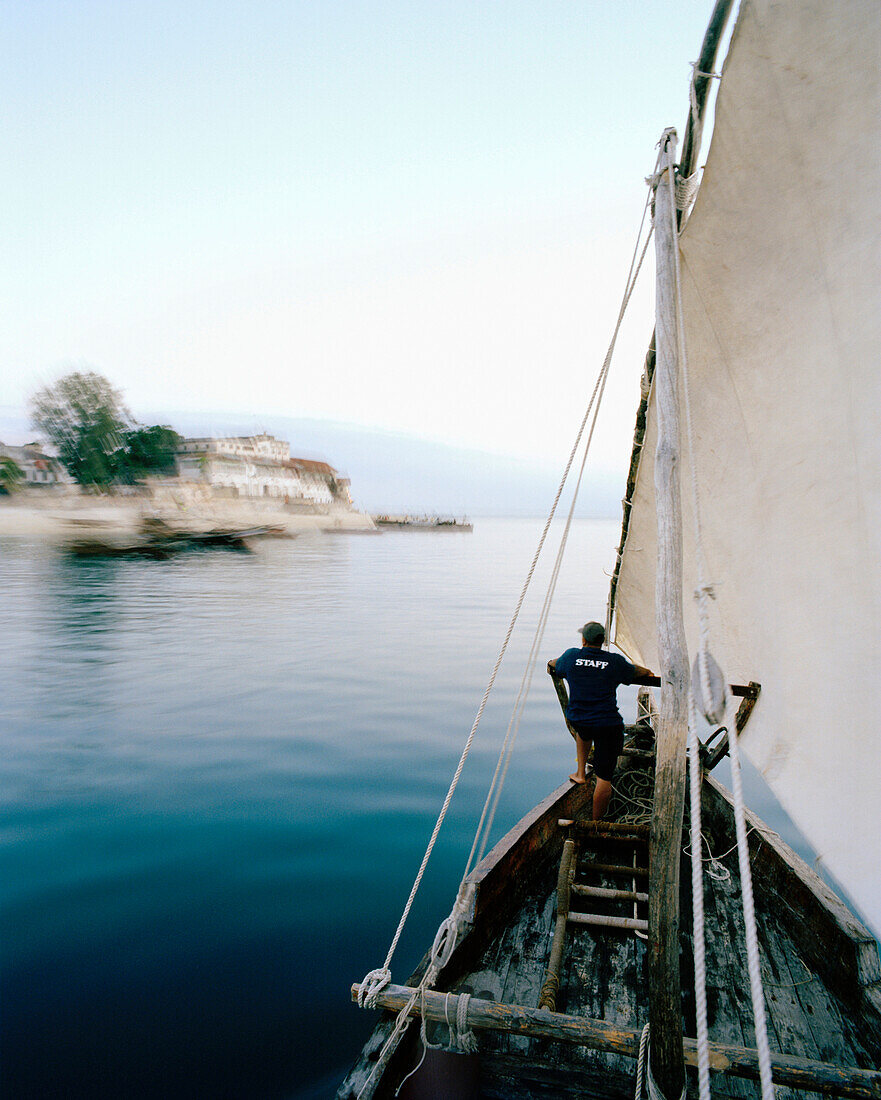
(593,676)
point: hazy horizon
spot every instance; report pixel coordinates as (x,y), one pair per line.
(402,217)
(397,471)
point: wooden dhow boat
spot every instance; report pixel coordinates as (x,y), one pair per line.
(578,960)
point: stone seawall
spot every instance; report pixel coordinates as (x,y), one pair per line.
(65,515)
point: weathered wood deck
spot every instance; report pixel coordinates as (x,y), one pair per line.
(820,966)
(604,977)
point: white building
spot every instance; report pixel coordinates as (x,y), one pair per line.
(38,469)
(260,466)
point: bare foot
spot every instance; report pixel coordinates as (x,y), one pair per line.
(577,778)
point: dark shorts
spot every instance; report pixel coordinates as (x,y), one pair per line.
(608,741)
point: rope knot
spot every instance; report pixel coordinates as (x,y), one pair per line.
(462,1038)
(372,986)
(463,907)
(704,591)
(696,72)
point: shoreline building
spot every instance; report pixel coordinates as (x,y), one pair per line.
(260,467)
(38,469)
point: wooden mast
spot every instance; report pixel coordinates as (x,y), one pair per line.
(665,1008)
(665,1012)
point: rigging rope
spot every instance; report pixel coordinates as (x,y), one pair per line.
(488,814)
(450,928)
(708,682)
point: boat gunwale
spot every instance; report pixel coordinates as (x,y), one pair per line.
(843,953)
(839,947)
(567,801)
(537,834)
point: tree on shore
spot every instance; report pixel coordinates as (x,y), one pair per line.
(10,475)
(151,451)
(84,417)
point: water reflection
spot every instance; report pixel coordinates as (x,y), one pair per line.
(199,751)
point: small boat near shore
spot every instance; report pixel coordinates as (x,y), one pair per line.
(159,541)
(422,523)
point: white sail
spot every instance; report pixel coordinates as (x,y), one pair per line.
(781,285)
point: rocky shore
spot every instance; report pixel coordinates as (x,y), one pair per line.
(64,516)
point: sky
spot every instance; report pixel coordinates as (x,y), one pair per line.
(416,216)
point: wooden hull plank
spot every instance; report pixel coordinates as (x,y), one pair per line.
(724,1018)
(832,1034)
(784,1007)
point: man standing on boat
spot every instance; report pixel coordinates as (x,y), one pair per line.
(593,675)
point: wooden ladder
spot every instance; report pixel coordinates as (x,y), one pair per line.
(578,879)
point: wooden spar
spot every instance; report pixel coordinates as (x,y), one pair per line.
(691,142)
(797,1073)
(665,1013)
(548,998)
(743,691)
(718,752)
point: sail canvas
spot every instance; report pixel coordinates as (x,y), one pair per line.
(781,271)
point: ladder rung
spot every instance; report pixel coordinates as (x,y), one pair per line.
(614,869)
(614,895)
(628,923)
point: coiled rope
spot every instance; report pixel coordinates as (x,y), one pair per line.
(635,788)
(453,926)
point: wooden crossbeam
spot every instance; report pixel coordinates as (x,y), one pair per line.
(743,691)
(797,1073)
(601,827)
(618,837)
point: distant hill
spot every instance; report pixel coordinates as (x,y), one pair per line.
(391,471)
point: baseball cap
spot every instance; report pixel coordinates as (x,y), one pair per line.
(593,633)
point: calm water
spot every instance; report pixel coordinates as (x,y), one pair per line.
(219,775)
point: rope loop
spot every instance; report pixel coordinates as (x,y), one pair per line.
(640,1062)
(644,1071)
(372,986)
(461,1036)
(654,1090)
(697,73)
